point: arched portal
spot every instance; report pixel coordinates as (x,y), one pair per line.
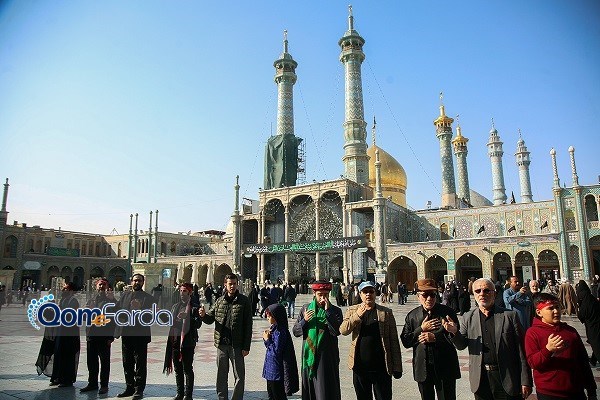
(202,273)
(523,259)
(78,275)
(116,274)
(435,268)
(96,272)
(53,272)
(220,273)
(402,269)
(548,265)
(467,266)
(335,268)
(187,273)
(502,266)
(66,273)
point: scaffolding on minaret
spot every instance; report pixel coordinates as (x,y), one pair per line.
(301,177)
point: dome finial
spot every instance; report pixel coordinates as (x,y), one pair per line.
(493,126)
(458,129)
(285,41)
(350,18)
(442,109)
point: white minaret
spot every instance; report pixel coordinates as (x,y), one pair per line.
(495,152)
(523,161)
(356,160)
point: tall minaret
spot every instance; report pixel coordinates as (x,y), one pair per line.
(3,212)
(356,161)
(495,152)
(285,78)
(523,161)
(460,151)
(281,153)
(443,131)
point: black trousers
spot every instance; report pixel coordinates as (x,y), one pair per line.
(367,383)
(490,387)
(276,390)
(184,370)
(445,388)
(98,360)
(135,362)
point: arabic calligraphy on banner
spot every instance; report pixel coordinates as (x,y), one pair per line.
(300,247)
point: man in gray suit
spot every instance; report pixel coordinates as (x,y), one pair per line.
(497,364)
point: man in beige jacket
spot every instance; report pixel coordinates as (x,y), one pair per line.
(374,332)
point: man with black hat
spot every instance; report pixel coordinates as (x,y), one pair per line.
(319,325)
(374,334)
(435,361)
(183,335)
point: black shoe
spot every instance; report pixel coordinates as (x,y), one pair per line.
(53,383)
(187,397)
(88,388)
(138,396)
(103,390)
(65,385)
(128,392)
(178,397)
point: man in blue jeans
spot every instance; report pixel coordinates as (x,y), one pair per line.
(233,334)
(290,297)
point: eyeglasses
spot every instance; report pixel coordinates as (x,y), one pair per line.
(485,291)
(369,291)
(428,294)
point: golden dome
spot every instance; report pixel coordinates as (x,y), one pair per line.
(393,176)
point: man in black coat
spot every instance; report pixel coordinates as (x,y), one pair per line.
(435,360)
(99,340)
(265,296)
(135,339)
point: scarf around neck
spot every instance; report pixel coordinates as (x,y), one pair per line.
(316,330)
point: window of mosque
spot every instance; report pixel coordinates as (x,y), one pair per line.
(591,208)
(10,247)
(569,202)
(574,257)
(570,224)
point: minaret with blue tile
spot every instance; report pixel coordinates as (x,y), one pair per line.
(523,161)
(356,160)
(495,152)
(443,131)
(460,151)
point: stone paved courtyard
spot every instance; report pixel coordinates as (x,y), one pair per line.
(20,343)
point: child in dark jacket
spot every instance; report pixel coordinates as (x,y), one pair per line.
(557,355)
(277,338)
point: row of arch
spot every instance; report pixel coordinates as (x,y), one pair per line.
(77,275)
(404,269)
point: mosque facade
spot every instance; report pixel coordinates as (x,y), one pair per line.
(350,228)
(359,226)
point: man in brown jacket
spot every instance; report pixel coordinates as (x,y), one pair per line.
(374,332)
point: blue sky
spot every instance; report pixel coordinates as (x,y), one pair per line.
(110,108)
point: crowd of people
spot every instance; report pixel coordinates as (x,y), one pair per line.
(512,345)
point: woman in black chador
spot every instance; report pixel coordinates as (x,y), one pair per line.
(59,354)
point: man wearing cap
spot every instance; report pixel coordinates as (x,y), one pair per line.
(435,361)
(99,339)
(497,364)
(374,333)
(319,325)
(181,342)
